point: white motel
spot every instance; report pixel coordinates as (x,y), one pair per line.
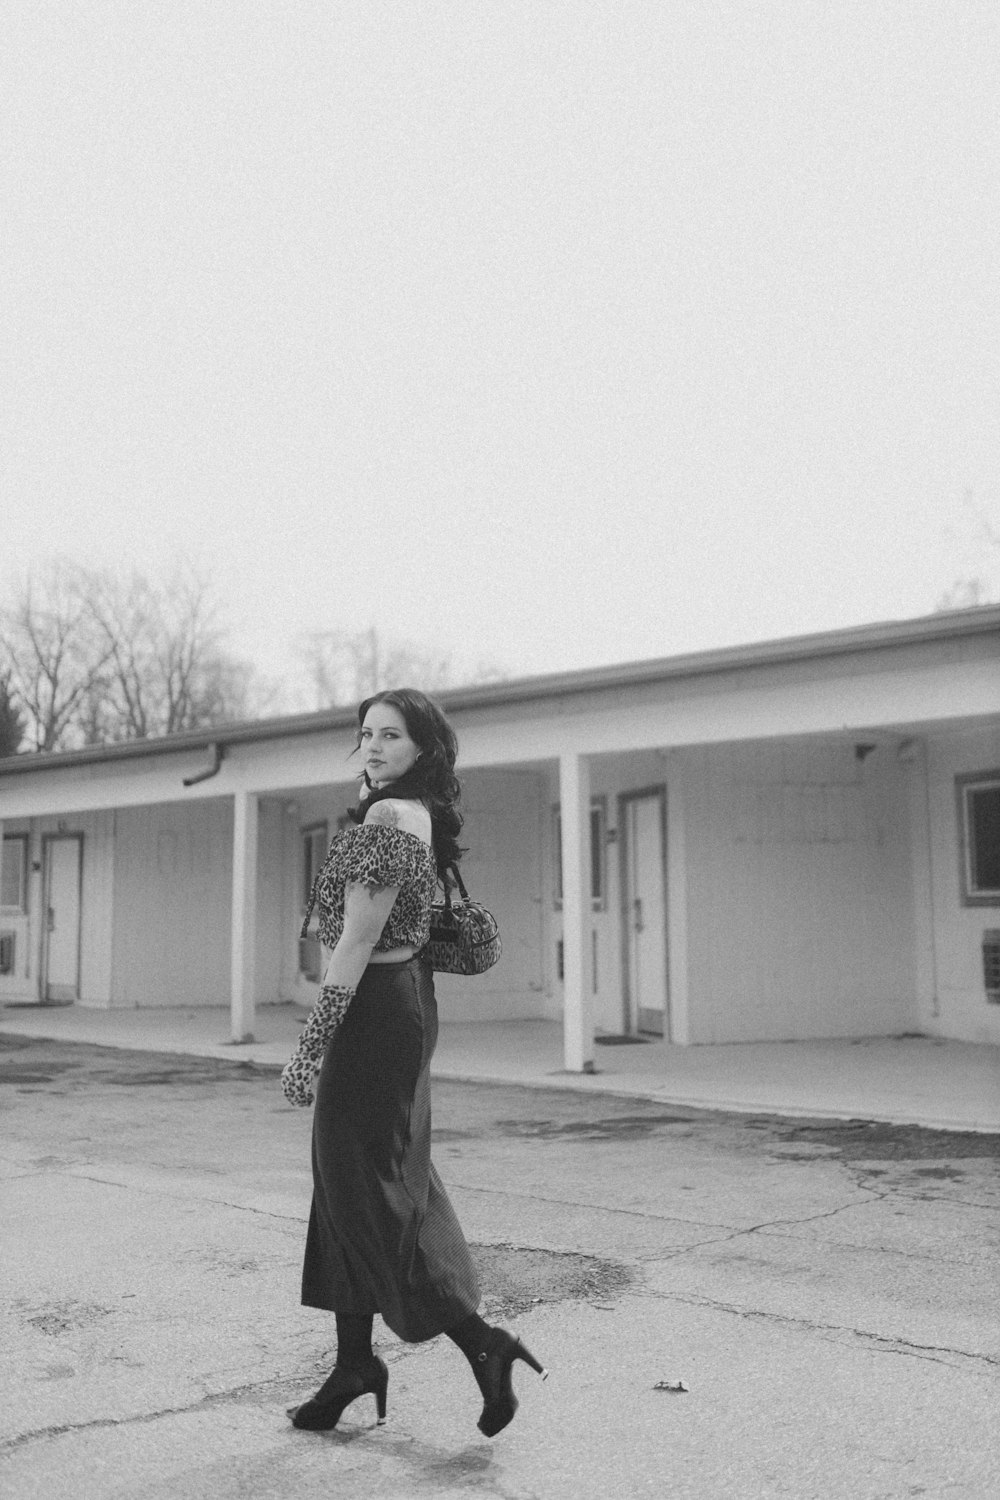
(788,841)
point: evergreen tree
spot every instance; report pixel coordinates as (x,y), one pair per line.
(12,724)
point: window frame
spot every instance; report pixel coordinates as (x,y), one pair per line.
(965,786)
(598,853)
(310,864)
(21,840)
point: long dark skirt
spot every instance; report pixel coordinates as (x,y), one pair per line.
(383,1237)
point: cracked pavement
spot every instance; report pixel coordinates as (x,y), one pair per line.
(827,1291)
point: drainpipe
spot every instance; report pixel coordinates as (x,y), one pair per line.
(209,771)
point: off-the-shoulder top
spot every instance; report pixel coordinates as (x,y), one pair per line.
(376,854)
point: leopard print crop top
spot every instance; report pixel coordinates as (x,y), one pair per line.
(376,854)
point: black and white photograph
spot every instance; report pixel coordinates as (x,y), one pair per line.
(500,749)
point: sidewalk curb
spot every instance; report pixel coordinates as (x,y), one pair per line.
(582,1084)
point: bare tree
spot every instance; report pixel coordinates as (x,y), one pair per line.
(168,669)
(94,658)
(344,667)
(982,543)
(51,653)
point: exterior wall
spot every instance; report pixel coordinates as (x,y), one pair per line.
(172,903)
(504,815)
(799,892)
(278,914)
(789,892)
(611,777)
(954,1001)
(96,914)
(98,911)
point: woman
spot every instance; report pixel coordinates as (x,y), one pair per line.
(383,1237)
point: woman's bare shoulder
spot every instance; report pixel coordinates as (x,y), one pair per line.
(401,813)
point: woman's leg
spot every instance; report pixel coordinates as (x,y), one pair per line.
(472,1336)
(354,1340)
(491,1352)
(358,1372)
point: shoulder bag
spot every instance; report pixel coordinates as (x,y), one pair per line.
(465,938)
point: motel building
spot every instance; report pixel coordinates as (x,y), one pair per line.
(795,840)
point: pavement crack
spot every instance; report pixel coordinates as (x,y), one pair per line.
(589,1205)
(204,1403)
(159,1191)
(870,1196)
(738,1234)
(881,1343)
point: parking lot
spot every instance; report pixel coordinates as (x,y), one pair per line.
(826,1291)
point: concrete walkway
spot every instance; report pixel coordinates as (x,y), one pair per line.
(904,1080)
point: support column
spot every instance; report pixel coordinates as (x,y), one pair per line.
(578,1013)
(679,1028)
(244,921)
(914,755)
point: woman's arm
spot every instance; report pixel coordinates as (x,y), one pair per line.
(366,911)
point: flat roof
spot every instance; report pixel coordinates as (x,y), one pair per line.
(947,625)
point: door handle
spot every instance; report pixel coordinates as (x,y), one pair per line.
(50,919)
(637,904)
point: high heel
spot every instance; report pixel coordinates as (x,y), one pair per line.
(341,1387)
(492,1369)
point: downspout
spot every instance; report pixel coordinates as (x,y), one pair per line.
(209,771)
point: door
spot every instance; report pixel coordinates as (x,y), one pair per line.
(644,915)
(61,940)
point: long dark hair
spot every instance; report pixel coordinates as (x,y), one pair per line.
(432,779)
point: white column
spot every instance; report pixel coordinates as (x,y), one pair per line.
(578,1017)
(914,756)
(679,1030)
(244,922)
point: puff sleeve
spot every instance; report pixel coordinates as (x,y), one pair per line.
(376,854)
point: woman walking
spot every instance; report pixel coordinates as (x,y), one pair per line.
(383,1236)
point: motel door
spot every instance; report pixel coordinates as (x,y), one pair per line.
(644,918)
(61,940)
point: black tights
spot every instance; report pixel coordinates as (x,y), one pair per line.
(471,1335)
(354,1338)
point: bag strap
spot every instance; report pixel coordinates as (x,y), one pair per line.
(304,930)
(461,888)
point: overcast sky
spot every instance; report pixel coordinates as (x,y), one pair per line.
(565,333)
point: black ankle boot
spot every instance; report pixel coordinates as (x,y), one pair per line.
(492,1367)
(340,1388)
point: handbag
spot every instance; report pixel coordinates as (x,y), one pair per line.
(465,938)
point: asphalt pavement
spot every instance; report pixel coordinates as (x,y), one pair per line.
(826,1291)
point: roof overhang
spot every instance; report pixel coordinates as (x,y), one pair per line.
(936,671)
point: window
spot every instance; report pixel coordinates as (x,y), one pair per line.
(314,848)
(598,853)
(14,878)
(979,833)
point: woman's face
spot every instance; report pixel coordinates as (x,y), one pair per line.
(385,741)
